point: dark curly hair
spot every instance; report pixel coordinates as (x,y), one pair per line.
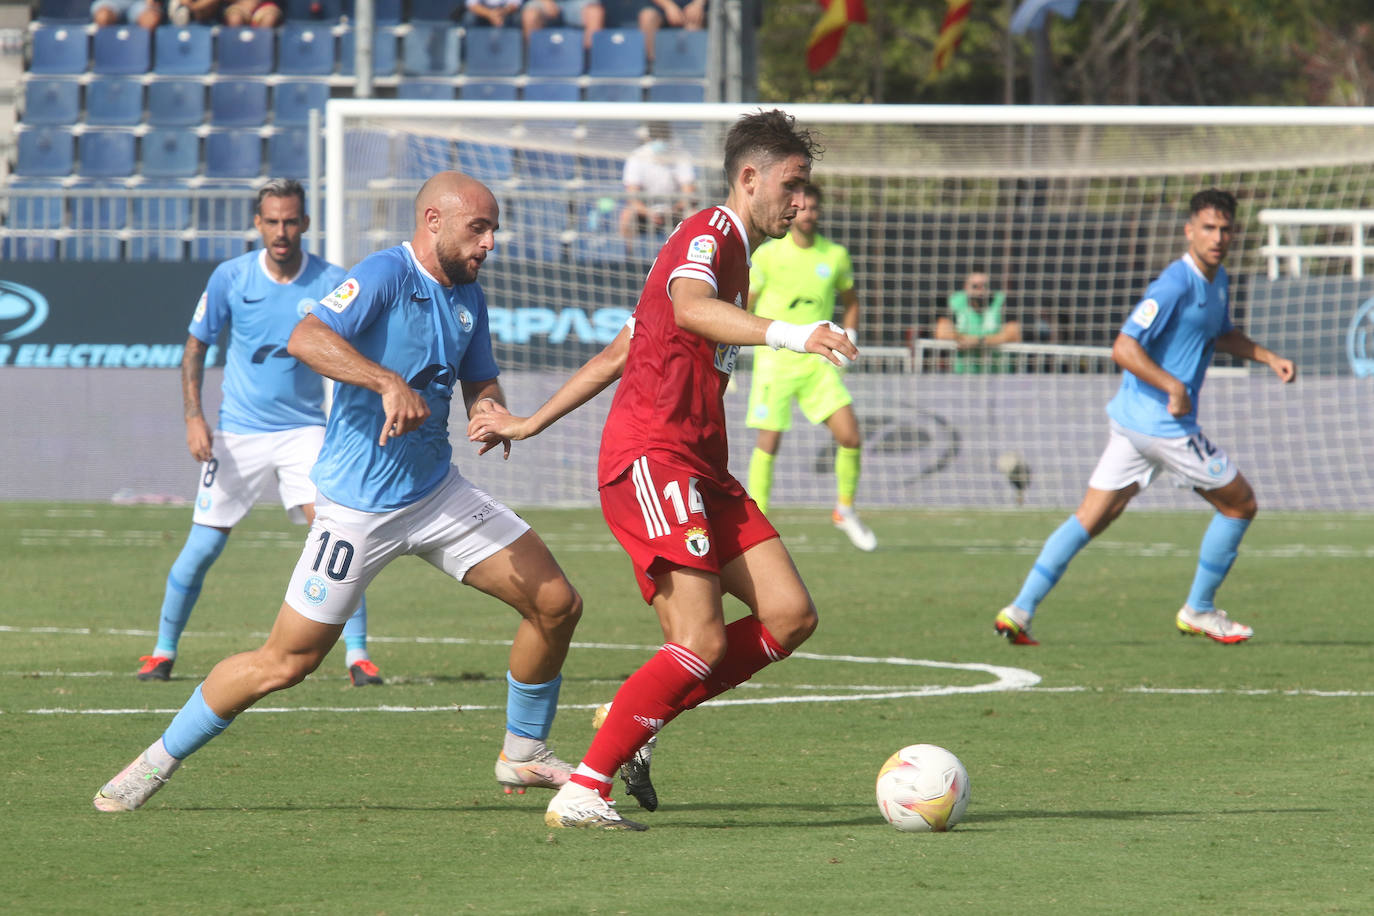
(769,136)
(1214,199)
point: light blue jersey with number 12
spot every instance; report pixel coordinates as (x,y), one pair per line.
(1177,323)
(396,314)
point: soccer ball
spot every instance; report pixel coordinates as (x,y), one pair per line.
(923,788)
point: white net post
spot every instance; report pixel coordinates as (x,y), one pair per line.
(1071,211)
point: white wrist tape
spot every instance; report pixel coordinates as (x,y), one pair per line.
(784,334)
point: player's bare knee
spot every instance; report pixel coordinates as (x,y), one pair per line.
(558,606)
(793,626)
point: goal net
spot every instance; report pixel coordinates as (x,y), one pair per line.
(1071,213)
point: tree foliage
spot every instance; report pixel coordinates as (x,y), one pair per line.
(1150,52)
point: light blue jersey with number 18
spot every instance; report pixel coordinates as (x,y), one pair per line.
(1177,323)
(396,314)
(265,389)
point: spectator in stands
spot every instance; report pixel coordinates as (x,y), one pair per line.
(260,14)
(494,13)
(541,14)
(147,13)
(976,323)
(656,14)
(659,184)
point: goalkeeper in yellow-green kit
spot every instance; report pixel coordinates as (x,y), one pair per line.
(799,278)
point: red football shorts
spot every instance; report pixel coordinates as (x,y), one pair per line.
(667,518)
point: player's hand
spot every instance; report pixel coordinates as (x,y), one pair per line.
(405,411)
(1180,404)
(853,335)
(493,427)
(1285,369)
(200,441)
(830,341)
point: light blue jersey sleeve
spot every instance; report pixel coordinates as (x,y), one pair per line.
(212,311)
(479,363)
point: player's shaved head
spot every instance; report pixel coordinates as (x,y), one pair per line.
(456,218)
(446,190)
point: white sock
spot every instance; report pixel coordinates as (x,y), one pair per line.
(518,747)
(354,656)
(157,755)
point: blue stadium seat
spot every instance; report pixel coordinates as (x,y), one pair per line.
(425,89)
(678,52)
(552,91)
(384,12)
(121,50)
(106,154)
(182,50)
(64,11)
(485,162)
(59,49)
(432,10)
(97,219)
(288,153)
(45,152)
(17,248)
(430,49)
(52,101)
(233,154)
(244,52)
(494,52)
(238,103)
(614,92)
(157,221)
(617,52)
(384,60)
(677,92)
(556,52)
(176,103)
(292,101)
(114,102)
(306,50)
(420,157)
(598,233)
(170,153)
(366,155)
(490,91)
(536,228)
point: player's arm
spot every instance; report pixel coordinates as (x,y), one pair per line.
(1131,356)
(1236,343)
(945,330)
(697,310)
(594,376)
(321,348)
(199,438)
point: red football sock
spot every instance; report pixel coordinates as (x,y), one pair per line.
(650,698)
(749,648)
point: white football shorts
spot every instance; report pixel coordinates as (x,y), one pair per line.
(453,528)
(1132,457)
(247,464)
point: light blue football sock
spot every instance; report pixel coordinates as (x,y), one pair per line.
(1219,547)
(355,629)
(1059,549)
(530,708)
(192,727)
(202,548)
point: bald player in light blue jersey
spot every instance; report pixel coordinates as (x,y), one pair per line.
(402,334)
(271,419)
(1164,350)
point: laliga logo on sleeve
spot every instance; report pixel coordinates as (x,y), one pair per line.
(1145,313)
(199,314)
(342,296)
(701,249)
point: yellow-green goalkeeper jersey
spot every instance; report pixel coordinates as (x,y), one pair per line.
(799,284)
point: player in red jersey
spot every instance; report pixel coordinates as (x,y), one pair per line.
(691,531)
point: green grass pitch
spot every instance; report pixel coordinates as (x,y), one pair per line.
(1142,773)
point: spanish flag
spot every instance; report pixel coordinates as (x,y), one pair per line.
(825,39)
(951,33)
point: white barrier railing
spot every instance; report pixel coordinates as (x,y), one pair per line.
(1294,251)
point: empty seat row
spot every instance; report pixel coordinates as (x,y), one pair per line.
(551,91)
(49,152)
(124,102)
(310,50)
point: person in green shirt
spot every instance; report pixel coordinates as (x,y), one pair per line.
(798,278)
(976,324)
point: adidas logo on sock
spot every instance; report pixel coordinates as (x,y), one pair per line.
(652,725)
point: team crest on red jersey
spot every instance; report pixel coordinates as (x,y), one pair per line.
(698,544)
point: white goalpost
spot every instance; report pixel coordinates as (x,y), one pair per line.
(1071,211)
